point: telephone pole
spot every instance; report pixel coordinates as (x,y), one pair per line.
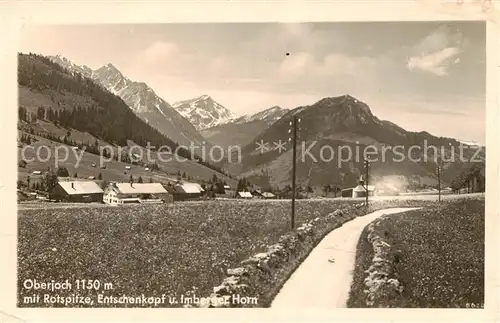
(367,166)
(293,138)
(438,170)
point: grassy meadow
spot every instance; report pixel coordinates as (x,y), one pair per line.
(173,249)
(437,255)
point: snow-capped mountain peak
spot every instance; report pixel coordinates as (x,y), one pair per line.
(70,66)
(269,115)
(204,112)
(112,79)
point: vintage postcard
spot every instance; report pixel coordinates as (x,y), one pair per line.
(178,167)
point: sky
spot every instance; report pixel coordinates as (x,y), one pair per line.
(423,76)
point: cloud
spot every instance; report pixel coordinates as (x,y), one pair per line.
(160,50)
(439,38)
(436,63)
(297,64)
(437,51)
(244,66)
(160,58)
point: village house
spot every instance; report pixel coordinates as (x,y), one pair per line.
(245,195)
(346,192)
(144,193)
(257,194)
(187,191)
(475,181)
(76,191)
(358,191)
(268,195)
(262,195)
(228,191)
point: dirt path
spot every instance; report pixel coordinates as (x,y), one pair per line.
(321,283)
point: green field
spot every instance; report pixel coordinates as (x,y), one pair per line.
(173,249)
(437,254)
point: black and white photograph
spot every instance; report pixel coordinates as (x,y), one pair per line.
(282,165)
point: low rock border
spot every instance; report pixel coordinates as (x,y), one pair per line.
(381,283)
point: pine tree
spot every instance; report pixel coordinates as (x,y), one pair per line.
(62,171)
(50,180)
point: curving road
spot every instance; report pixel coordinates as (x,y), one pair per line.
(324,279)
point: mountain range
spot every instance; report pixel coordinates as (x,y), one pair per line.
(332,121)
(184,121)
(240,131)
(197,120)
(142,99)
(268,115)
(343,121)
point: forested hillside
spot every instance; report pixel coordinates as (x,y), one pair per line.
(100,113)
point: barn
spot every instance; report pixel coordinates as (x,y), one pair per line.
(187,191)
(347,192)
(76,191)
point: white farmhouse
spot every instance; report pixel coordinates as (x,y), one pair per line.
(245,195)
(145,193)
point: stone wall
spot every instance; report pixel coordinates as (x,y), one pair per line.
(381,283)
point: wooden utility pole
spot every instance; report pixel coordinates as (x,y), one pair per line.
(438,169)
(367,165)
(294,164)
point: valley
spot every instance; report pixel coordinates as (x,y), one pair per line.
(332,128)
(59,109)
